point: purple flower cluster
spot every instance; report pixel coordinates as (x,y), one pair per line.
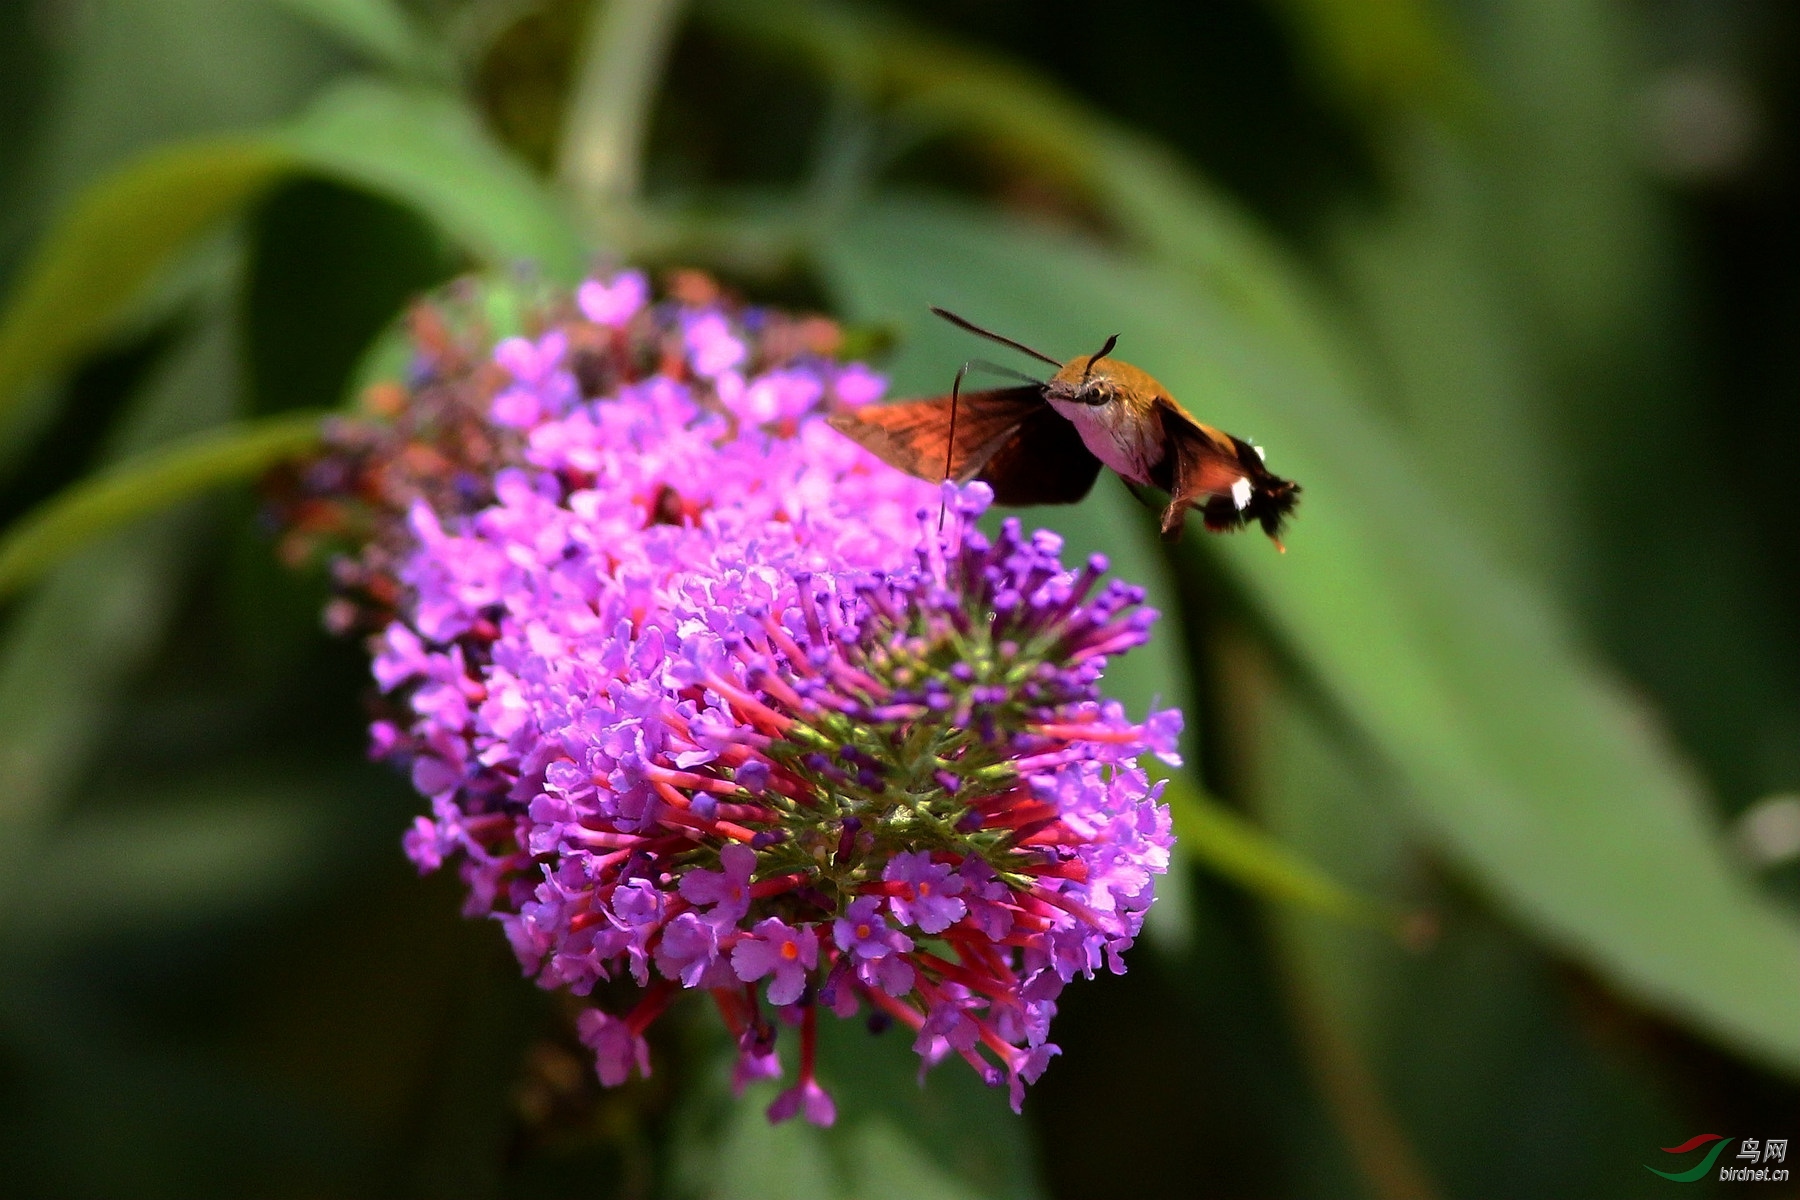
(704,699)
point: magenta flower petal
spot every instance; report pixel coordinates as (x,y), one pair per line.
(930,892)
(756,1061)
(728,891)
(805,1097)
(617,1050)
(778,949)
(615,302)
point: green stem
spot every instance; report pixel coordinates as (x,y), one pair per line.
(601,157)
(1218,838)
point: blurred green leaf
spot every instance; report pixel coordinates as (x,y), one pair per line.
(69,649)
(1596,257)
(1463,369)
(1526,761)
(735,1154)
(420,148)
(65,654)
(116,237)
(145,484)
(426,150)
(129,77)
(1384,55)
(1157,201)
(331,267)
(379,29)
(1580,219)
(184,857)
(329,1032)
(1396,1037)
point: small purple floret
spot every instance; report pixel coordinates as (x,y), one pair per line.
(777,948)
(930,892)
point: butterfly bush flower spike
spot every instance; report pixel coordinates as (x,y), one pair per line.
(701,699)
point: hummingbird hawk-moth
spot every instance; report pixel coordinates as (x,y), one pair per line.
(1044,443)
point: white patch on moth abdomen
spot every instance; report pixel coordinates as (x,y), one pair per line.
(1240,493)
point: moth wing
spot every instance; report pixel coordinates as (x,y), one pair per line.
(915,436)
(1207,467)
(1044,461)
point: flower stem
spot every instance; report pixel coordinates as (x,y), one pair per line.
(600,160)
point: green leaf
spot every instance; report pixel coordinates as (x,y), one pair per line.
(420,148)
(130,77)
(1584,241)
(173,860)
(1576,217)
(69,648)
(118,235)
(426,150)
(1463,371)
(1395,1037)
(379,29)
(148,483)
(1527,762)
(1337,978)
(1155,199)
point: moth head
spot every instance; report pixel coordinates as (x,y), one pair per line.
(1098,378)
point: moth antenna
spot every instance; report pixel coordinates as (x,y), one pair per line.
(990,335)
(1104,351)
(950,442)
(994,368)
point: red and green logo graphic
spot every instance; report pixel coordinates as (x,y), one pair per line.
(1698,1171)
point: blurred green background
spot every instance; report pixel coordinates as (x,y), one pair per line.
(1490,883)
